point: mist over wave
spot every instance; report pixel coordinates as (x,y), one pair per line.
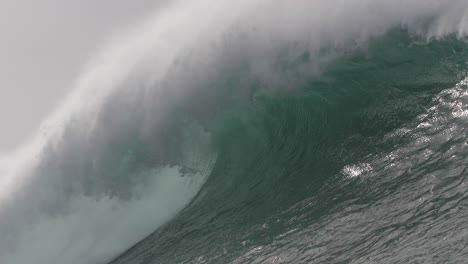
(168,109)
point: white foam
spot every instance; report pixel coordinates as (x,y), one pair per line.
(99,228)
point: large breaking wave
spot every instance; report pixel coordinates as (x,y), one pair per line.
(218,118)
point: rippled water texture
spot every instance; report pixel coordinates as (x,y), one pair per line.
(368,166)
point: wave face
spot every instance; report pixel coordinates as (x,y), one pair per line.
(255,132)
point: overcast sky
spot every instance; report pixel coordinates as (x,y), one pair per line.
(43,47)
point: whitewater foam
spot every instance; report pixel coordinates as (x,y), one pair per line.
(99,228)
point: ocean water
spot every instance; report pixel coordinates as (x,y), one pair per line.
(255,132)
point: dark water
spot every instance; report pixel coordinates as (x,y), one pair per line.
(365,162)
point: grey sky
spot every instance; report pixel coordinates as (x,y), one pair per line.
(43,47)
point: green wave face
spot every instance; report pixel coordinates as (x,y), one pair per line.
(337,166)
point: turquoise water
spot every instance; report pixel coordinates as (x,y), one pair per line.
(364,164)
